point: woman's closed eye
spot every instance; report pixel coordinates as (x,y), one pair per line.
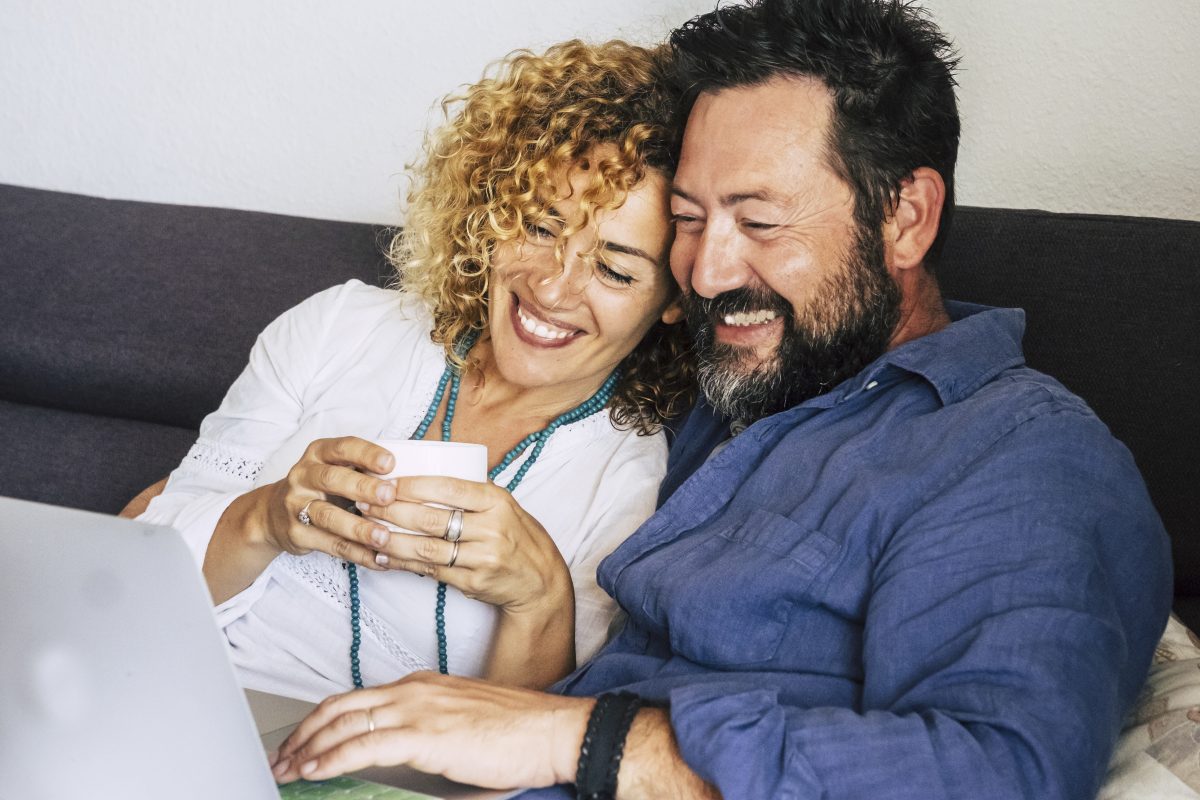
(541,230)
(608,273)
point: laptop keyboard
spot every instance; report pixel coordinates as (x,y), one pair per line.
(346,789)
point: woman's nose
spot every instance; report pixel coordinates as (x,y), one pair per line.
(560,285)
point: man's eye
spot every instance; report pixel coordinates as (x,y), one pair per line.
(685,221)
(608,273)
(758,226)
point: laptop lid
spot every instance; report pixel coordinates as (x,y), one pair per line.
(114,680)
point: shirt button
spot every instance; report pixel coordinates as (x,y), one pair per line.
(872,384)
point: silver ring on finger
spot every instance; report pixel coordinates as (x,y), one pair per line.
(453,554)
(370,722)
(303,516)
(454,526)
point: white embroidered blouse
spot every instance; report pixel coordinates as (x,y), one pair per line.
(357,360)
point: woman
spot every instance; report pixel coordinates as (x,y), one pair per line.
(537,317)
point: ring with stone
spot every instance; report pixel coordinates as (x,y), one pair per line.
(453,554)
(303,516)
(454,526)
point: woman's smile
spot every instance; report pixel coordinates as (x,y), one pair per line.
(536,328)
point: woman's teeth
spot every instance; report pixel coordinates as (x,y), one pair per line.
(540,329)
(751,318)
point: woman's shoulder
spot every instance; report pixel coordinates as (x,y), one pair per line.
(357,304)
(353,324)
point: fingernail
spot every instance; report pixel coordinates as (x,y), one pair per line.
(379,536)
(309,768)
(384,494)
(281,767)
(381,559)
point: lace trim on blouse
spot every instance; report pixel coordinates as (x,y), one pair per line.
(325,574)
(213,457)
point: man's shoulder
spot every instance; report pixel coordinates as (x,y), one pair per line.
(1021,395)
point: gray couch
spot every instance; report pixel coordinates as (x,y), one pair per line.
(123,323)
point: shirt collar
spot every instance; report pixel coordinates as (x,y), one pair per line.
(978,344)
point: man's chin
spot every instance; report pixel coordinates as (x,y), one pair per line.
(742,361)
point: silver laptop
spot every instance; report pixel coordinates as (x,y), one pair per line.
(114,681)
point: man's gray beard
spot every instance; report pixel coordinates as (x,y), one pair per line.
(846,327)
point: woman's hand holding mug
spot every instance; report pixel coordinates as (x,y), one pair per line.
(307,510)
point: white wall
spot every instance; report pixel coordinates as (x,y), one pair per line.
(303,107)
(314,107)
(1079,105)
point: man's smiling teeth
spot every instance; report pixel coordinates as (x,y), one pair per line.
(751,318)
(539,328)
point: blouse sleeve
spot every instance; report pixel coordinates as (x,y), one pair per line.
(626,497)
(261,410)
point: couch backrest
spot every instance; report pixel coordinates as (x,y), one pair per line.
(125,322)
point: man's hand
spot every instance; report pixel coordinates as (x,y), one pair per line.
(467,730)
(479,733)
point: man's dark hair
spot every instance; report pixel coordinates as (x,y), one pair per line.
(888,67)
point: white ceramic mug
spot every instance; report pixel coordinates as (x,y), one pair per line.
(422,457)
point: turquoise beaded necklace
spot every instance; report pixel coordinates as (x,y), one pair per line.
(450,377)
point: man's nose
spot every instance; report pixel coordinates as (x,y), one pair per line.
(560,285)
(718,263)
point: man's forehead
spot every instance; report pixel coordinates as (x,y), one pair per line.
(753,135)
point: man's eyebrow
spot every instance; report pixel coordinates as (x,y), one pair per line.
(617,247)
(762,195)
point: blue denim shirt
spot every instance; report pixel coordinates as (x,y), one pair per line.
(942,579)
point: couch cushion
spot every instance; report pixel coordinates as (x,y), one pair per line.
(81,460)
(148,311)
(1158,753)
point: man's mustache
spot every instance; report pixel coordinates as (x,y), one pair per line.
(707,310)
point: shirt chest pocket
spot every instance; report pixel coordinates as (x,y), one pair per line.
(726,597)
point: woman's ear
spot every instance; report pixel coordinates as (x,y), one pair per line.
(673,313)
(911,228)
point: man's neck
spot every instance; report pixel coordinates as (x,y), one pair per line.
(922,311)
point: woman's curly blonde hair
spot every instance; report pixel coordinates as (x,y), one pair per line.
(489,171)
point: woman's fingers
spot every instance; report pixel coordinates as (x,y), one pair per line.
(340,547)
(413,517)
(351,451)
(452,492)
(327,517)
(340,481)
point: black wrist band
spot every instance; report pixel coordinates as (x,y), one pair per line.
(604,744)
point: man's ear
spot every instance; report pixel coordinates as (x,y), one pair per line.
(673,313)
(911,228)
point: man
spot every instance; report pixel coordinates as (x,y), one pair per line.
(919,570)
